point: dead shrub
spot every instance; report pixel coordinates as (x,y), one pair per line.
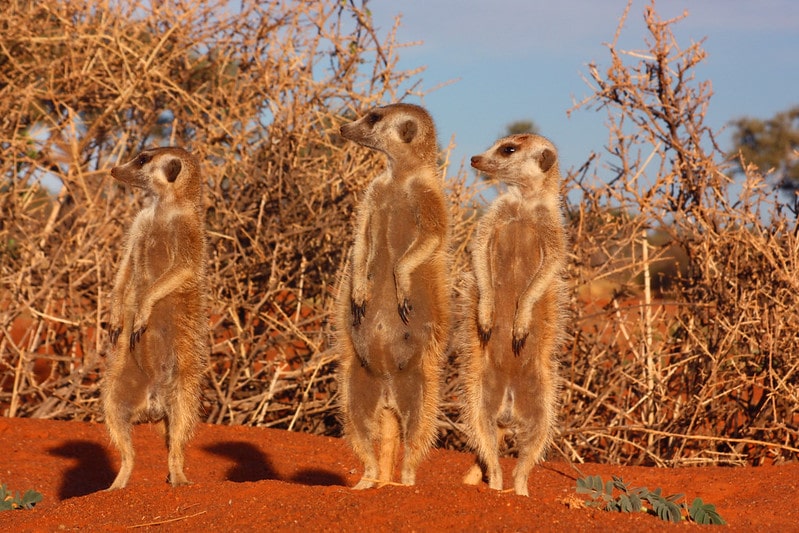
(704,370)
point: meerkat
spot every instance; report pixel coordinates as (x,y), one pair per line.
(159,327)
(393,312)
(515,320)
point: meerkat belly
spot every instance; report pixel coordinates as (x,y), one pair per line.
(517,258)
(387,342)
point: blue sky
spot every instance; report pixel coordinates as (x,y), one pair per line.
(523,59)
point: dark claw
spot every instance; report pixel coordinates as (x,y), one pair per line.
(114,335)
(485,335)
(136,337)
(518,344)
(404,309)
(358,312)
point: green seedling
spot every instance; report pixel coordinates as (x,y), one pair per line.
(9,500)
(616,495)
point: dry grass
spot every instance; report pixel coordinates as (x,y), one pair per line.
(697,366)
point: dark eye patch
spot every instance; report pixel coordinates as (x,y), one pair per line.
(373,118)
(507,149)
(143,159)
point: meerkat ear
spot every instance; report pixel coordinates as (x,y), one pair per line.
(407,130)
(172,169)
(546,160)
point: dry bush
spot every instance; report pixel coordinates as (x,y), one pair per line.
(699,365)
(702,365)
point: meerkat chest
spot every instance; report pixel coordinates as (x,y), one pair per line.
(395,216)
(517,247)
(154,247)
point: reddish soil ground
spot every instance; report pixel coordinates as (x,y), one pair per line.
(253,479)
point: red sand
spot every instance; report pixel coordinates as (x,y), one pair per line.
(253,479)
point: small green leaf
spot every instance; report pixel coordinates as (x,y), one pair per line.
(591,485)
(620,484)
(675,497)
(30,499)
(665,509)
(584,485)
(609,490)
(704,513)
(625,504)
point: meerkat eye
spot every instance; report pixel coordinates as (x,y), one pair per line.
(508,149)
(373,119)
(143,159)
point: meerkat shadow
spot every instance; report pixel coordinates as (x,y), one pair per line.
(92,471)
(251,464)
(317,477)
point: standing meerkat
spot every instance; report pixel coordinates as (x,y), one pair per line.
(515,322)
(159,327)
(393,311)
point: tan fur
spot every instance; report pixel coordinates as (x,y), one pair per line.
(514,324)
(392,318)
(159,327)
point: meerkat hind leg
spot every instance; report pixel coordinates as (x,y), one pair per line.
(416,400)
(530,453)
(119,404)
(474,475)
(479,471)
(487,436)
(178,424)
(389,444)
(118,421)
(363,447)
(363,411)
(532,439)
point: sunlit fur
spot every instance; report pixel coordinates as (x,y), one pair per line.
(515,317)
(393,315)
(159,326)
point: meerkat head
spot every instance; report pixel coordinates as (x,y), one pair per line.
(404,132)
(523,160)
(166,172)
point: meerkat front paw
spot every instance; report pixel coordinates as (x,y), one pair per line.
(114,334)
(136,336)
(484,334)
(521,329)
(518,344)
(403,287)
(358,312)
(358,299)
(404,310)
(139,327)
(519,338)
(484,322)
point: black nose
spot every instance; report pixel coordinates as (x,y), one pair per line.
(476,160)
